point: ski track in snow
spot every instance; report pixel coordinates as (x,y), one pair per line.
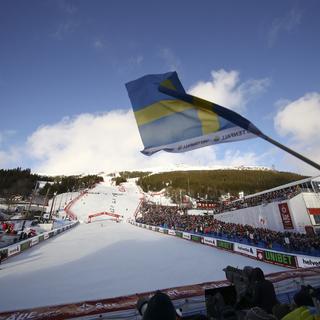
(106,259)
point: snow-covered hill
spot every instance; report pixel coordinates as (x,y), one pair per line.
(107,259)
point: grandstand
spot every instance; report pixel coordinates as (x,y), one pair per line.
(293,207)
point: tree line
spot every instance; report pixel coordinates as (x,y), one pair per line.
(211,184)
(21,183)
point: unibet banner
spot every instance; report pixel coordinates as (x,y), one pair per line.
(282,259)
(196,238)
(225,245)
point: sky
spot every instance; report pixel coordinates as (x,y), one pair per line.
(64,108)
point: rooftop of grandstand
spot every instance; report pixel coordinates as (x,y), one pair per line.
(305,185)
(280,193)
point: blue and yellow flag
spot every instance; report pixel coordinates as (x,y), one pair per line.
(171,120)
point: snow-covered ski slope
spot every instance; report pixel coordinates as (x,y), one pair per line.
(107,259)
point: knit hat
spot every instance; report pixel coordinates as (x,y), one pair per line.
(160,307)
(257,313)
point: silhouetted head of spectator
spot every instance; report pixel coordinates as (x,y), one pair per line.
(257,274)
(159,307)
(303,298)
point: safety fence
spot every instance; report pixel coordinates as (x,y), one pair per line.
(190,299)
(17,248)
(265,255)
(68,210)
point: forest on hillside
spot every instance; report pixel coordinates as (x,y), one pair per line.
(20,182)
(214,183)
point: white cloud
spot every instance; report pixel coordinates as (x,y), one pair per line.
(64,29)
(172,62)
(67,7)
(10,157)
(225,89)
(91,143)
(5,134)
(136,60)
(287,23)
(98,44)
(299,120)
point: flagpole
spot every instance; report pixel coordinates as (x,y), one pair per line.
(292,152)
(234,118)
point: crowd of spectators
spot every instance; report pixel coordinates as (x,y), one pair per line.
(277,195)
(261,304)
(174,218)
(7,227)
(13,235)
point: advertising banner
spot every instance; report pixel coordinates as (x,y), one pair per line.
(46,236)
(179,234)
(172,232)
(210,241)
(161,230)
(285,216)
(13,250)
(225,245)
(244,249)
(306,262)
(165,231)
(41,238)
(4,253)
(25,245)
(34,241)
(186,236)
(196,238)
(282,259)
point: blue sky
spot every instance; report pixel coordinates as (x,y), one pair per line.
(63,66)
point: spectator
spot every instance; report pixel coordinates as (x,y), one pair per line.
(159,307)
(170,217)
(305,308)
(264,295)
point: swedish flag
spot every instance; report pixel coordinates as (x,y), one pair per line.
(171,120)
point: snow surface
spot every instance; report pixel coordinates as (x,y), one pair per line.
(107,259)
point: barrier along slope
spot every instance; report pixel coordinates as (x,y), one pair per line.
(269,256)
(191,299)
(19,247)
